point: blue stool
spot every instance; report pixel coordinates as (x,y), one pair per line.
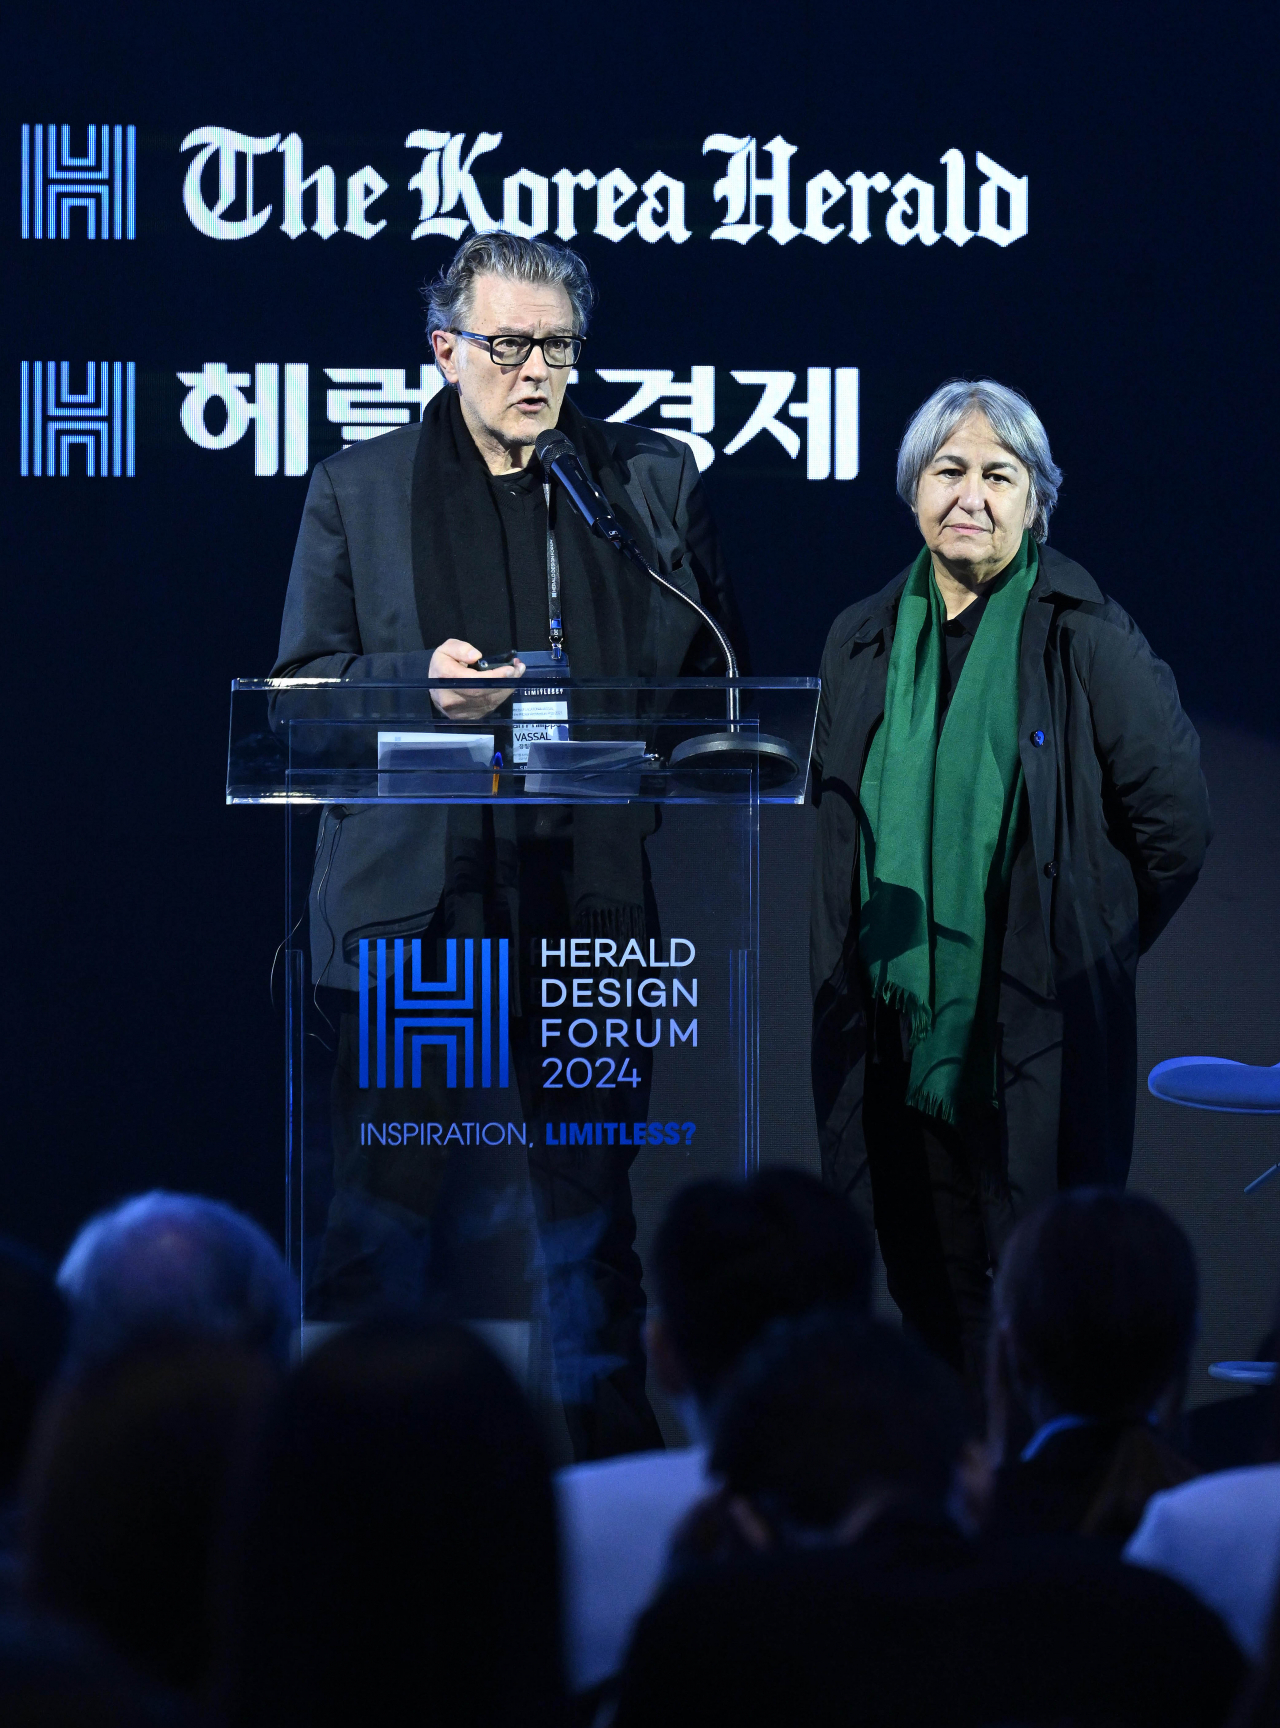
(1244,1373)
(1214,1083)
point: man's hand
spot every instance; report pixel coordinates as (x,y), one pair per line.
(456,659)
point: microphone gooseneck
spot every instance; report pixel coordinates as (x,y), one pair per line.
(560,461)
(716,760)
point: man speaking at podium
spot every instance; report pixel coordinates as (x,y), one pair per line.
(422,552)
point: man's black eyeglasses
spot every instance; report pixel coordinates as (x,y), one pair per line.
(557,351)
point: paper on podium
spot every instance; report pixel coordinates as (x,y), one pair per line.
(582,767)
(427,764)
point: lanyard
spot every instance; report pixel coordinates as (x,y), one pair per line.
(555,622)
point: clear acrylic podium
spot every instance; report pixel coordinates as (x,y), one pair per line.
(522,997)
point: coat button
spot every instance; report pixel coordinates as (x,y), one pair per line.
(1037,738)
(1051,869)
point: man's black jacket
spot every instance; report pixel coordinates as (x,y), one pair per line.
(1118,826)
(354,611)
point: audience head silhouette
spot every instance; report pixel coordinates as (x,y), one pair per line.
(732,1257)
(832,1420)
(173,1268)
(1096,1306)
(126,1493)
(396,1557)
(1094,1320)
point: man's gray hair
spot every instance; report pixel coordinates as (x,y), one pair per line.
(515,259)
(175,1268)
(1011,417)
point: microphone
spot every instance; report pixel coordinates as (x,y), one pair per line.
(717,753)
(560,461)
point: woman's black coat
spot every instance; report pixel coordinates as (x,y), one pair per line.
(1119,823)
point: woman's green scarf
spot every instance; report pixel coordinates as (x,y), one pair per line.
(938,835)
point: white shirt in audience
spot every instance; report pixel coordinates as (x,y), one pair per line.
(616,1523)
(1219,1536)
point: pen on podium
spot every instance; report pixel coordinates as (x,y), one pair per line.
(496,765)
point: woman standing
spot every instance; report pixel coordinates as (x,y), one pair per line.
(1011,809)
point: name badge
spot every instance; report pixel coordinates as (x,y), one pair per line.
(541,715)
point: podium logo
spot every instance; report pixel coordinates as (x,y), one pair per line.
(77,419)
(69,192)
(464,1014)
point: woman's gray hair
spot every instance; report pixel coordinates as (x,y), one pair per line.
(1011,417)
(515,259)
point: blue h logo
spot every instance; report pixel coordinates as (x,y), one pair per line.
(59,417)
(401,1013)
(99,183)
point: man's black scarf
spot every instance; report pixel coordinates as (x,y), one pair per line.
(459,557)
(617,624)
